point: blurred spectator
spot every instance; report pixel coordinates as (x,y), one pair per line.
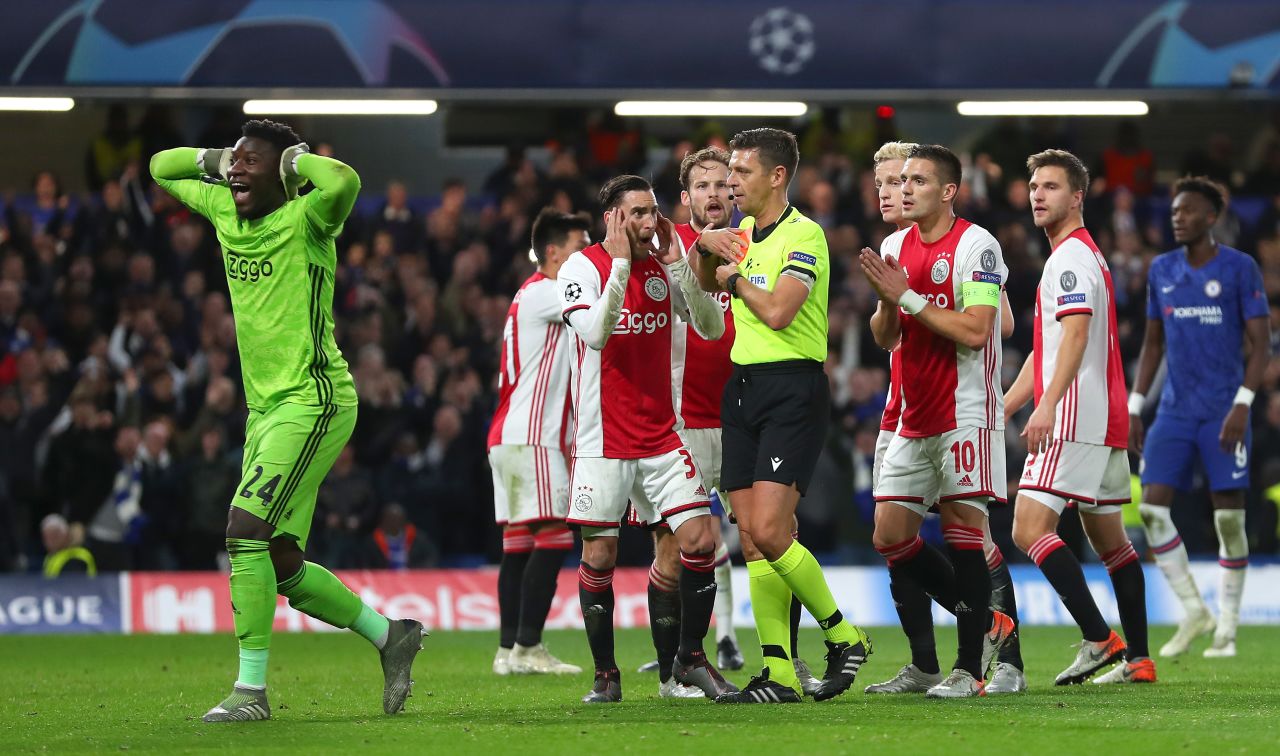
(1216,159)
(112,150)
(209,486)
(47,211)
(1127,163)
(1005,149)
(61,554)
(80,462)
(566,189)
(1265,178)
(449,227)
(503,179)
(666,182)
(395,543)
(398,220)
(346,505)
(614,146)
(162,498)
(119,522)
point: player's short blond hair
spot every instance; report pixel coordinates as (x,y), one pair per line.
(893,151)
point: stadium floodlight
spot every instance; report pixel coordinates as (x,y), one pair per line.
(339,107)
(767,109)
(45,104)
(1052,108)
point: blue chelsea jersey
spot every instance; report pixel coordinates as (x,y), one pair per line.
(1204,311)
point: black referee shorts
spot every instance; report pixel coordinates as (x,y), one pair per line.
(774,417)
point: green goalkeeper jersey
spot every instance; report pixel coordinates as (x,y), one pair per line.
(280,271)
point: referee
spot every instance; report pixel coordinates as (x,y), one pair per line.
(776,408)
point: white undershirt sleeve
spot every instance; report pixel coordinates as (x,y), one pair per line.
(594,318)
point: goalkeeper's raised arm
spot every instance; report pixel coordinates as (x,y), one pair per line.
(263,170)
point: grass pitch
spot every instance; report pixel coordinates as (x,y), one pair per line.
(147,693)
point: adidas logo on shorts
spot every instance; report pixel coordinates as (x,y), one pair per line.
(966,481)
(700,491)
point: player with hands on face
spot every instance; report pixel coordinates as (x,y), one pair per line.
(619,298)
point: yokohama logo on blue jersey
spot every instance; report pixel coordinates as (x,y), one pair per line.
(1203,311)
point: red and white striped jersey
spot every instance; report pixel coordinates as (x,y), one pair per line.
(946,385)
(700,368)
(893,401)
(623,405)
(534,377)
(1076,280)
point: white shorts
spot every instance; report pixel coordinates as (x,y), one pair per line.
(965,465)
(707,449)
(882,446)
(530,484)
(1095,477)
(666,487)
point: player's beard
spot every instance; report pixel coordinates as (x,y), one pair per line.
(703,222)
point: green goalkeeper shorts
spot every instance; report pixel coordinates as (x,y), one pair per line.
(288,451)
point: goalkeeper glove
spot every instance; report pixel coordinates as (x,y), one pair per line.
(215,163)
(289,169)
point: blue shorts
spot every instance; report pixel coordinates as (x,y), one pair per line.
(1173,445)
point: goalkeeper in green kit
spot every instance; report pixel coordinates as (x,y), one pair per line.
(280,258)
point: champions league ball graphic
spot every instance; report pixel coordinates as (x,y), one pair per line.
(782,41)
(101,42)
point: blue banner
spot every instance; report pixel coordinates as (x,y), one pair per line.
(661,44)
(69,604)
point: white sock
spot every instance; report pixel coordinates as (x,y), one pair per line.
(1233,557)
(723,608)
(1171,555)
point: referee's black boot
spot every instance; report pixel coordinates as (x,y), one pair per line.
(843,662)
(762,690)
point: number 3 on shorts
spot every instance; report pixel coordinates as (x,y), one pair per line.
(265,492)
(688,462)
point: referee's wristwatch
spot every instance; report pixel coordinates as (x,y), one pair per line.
(732,284)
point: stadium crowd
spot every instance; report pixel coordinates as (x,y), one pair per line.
(122,415)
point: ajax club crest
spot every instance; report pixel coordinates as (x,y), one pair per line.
(941,269)
(656,288)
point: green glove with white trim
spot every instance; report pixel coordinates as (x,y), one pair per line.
(293,181)
(215,163)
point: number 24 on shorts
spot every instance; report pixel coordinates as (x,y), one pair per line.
(268,489)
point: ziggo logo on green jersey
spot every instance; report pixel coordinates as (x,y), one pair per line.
(244,269)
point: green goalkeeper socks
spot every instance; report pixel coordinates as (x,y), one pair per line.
(771,607)
(253,603)
(372,626)
(318,593)
(802,573)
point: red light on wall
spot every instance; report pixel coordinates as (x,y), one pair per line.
(884,111)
